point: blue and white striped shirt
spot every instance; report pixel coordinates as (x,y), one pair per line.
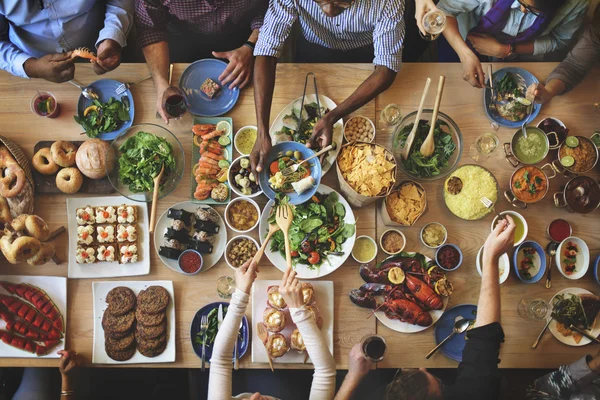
(377,22)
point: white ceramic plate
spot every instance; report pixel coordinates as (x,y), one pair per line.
(503,265)
(338,126)
(209,260)
(405,327)
(324,300)
(100,290)
(332,263)
(56,288)
(568,340)
(108,269)
(583,258)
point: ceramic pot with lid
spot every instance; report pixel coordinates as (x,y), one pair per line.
(581,195)
(530,150)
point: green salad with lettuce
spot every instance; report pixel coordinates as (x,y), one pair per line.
(104,117)
(318,229)
(142,157)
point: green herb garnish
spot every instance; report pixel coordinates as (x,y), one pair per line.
(106,117)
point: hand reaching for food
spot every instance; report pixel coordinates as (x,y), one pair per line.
(291,289)
(68,362)
(500,241)
(245,276)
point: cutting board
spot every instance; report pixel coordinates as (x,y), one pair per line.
(46,184)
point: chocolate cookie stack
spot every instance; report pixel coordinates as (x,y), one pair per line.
(151,330)
(118,323)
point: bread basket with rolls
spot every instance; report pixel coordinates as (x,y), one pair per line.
(16,182)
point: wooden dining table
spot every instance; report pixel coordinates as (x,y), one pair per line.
(461,102)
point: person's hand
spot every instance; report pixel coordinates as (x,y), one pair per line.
(258,157)
(358,364)
(291,289)
(55,68)
(163,92)
(472,70)
(422,7)
(257,396)
(540,94)
(487,45)
(68,361)
(500,241)
(322,135)
(239,69)
(245,276)
(109,56)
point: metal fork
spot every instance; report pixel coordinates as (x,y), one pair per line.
(294,167)
(123,87)
(235,351)
(203,330)
(487,202)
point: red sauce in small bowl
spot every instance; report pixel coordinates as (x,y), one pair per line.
(190,262)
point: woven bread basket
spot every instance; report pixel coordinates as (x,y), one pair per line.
(19,157)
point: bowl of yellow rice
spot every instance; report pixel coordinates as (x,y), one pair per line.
(465,187)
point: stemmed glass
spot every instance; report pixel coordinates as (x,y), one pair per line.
(434,23)
(533,309)
(485,145)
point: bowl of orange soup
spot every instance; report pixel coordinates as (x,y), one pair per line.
(529,184)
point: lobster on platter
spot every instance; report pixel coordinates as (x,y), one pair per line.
(409,285)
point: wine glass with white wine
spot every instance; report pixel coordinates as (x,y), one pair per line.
(434,23)
(484,146)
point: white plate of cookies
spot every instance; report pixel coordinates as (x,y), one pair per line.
(108,237)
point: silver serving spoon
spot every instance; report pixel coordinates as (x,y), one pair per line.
(551,250)
(86,91)
(460,326)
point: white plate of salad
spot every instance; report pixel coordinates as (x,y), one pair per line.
(321,237)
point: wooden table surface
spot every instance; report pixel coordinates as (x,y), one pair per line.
(461,102)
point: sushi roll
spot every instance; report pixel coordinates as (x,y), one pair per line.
(126,214)
(303,184)
(171,253)
(207,214)
(179,225)
(85,255)
(106,253)
(106,215)
(202,247)
(181,215)
(128,254)
(126,233)
(206,226)
(106,233)
(202,236)
(85,234)
(85,216)
(174,244)
(180,236)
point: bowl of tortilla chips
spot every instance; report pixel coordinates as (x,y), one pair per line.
(366,171)
(404,205)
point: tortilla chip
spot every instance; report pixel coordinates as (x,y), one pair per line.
(367,168)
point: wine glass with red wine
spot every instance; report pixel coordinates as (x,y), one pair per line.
(373,347)
(175,102)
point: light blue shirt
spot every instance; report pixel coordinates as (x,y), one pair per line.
(377,22)
(27,30)
(568,19)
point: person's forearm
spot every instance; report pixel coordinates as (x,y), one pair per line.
(488,307)
(524,48)
(381,79)
(253,36)
(157,59)
(66,386)
(264,83)
(555,87)
(453,37)
(348,387)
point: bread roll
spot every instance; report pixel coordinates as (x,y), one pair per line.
(92,156)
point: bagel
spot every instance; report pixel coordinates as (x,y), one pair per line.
(69,180)
(21,249)
(63,153)
(12,180)
(43,256)
(43,162)
(31,225)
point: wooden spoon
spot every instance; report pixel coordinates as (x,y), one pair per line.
(413,132)
(428,146)
(264,337)
(284,220)
(157,179)
(272,229)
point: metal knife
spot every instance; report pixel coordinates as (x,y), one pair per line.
(584,333)
(220,316)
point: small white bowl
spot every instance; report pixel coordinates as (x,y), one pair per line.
(374,244)
(233,201)
(503,265)
(445,235)
(514,215)
(230,179)
(239,130)
(381,241)
(230,243)
(583,258)
(360,117)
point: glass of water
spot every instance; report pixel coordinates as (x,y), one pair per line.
(484,146)
(533,309)
(390,116)
(225,287)
(434,23)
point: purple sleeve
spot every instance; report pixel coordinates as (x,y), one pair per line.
(151,19)
(257,21)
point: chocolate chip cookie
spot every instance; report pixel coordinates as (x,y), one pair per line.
(153,300)
(120,300)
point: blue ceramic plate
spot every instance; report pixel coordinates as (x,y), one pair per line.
(105,88)
(453,348)
(542,256)
(194,76)
(279,150)
(244,337)
(487,97)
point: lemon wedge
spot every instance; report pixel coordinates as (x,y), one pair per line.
(222,175)
(443,287)
(396,275)
(224,126)
(89,110)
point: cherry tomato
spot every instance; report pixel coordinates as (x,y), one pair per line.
(314,257)
(306,247)
(294,253)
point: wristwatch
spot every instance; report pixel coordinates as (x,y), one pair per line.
(512,52)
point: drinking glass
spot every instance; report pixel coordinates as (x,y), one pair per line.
(175,103)
(44,104)
(484,145)
(373,347)
(390,116)
(434,23)
(533,309)
(225,287)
